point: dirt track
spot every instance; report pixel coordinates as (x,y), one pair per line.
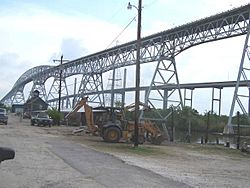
(195,165)
(50,160)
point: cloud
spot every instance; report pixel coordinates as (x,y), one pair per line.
(32,36)
(46,30)
(72,48)
(11,69)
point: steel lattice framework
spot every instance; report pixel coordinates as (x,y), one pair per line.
(161,47)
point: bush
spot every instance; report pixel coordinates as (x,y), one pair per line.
(55,115)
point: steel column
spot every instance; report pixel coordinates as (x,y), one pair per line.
(242,73)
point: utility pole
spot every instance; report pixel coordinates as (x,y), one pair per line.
(137,71)
(60,82)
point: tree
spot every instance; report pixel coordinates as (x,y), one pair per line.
(55,115)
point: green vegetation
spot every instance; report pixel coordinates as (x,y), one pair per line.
(199,122)
(143,150)
(213,150)
(55,115)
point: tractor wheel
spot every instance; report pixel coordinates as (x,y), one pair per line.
(112,134)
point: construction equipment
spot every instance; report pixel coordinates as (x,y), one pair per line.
(153,132)
(110,123)
(88,114)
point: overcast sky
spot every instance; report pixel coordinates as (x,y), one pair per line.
(34,32)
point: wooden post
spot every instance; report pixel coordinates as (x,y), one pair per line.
(208,117)
(217,141)
(238,131)
(172,125)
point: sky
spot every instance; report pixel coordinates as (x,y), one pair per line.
(34,32)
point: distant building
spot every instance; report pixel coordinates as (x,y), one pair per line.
(35,103)
(17,108)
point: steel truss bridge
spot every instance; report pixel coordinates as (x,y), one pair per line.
(160,48)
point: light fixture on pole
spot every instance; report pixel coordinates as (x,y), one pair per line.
(137,71)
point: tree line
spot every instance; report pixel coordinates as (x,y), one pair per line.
(182,118)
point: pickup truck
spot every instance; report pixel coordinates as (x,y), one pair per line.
(3,116)
(41,119)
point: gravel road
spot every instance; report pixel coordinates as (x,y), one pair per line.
(49,161)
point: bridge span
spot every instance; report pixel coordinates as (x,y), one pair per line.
(165,88)
(160,48)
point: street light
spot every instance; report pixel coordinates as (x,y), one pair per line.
(130,6)
(137,70)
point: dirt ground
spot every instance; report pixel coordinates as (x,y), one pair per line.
(34,165)
(194,164)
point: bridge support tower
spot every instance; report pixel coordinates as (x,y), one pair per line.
(243,74)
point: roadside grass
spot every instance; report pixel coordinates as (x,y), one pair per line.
(171,150)
(215,150)
(125,148)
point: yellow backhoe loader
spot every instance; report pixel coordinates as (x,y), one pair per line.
(110,123)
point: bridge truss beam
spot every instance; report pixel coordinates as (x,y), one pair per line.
(243,74)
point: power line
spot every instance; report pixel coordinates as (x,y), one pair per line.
(115,39)
(150,3)
(121,32)
(116,13)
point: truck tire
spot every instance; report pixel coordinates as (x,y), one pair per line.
(112,134)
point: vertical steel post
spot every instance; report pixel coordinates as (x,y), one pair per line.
(212,110)
(177,81)
(165,99)
(185,93)
(220,102)
(124,87)
(228,128)
(113,87)
(60,86)
(248,101)
(191,99)
(74,98)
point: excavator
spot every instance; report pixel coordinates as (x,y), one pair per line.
(110,123)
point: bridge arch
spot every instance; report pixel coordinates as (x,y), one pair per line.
(161,47)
